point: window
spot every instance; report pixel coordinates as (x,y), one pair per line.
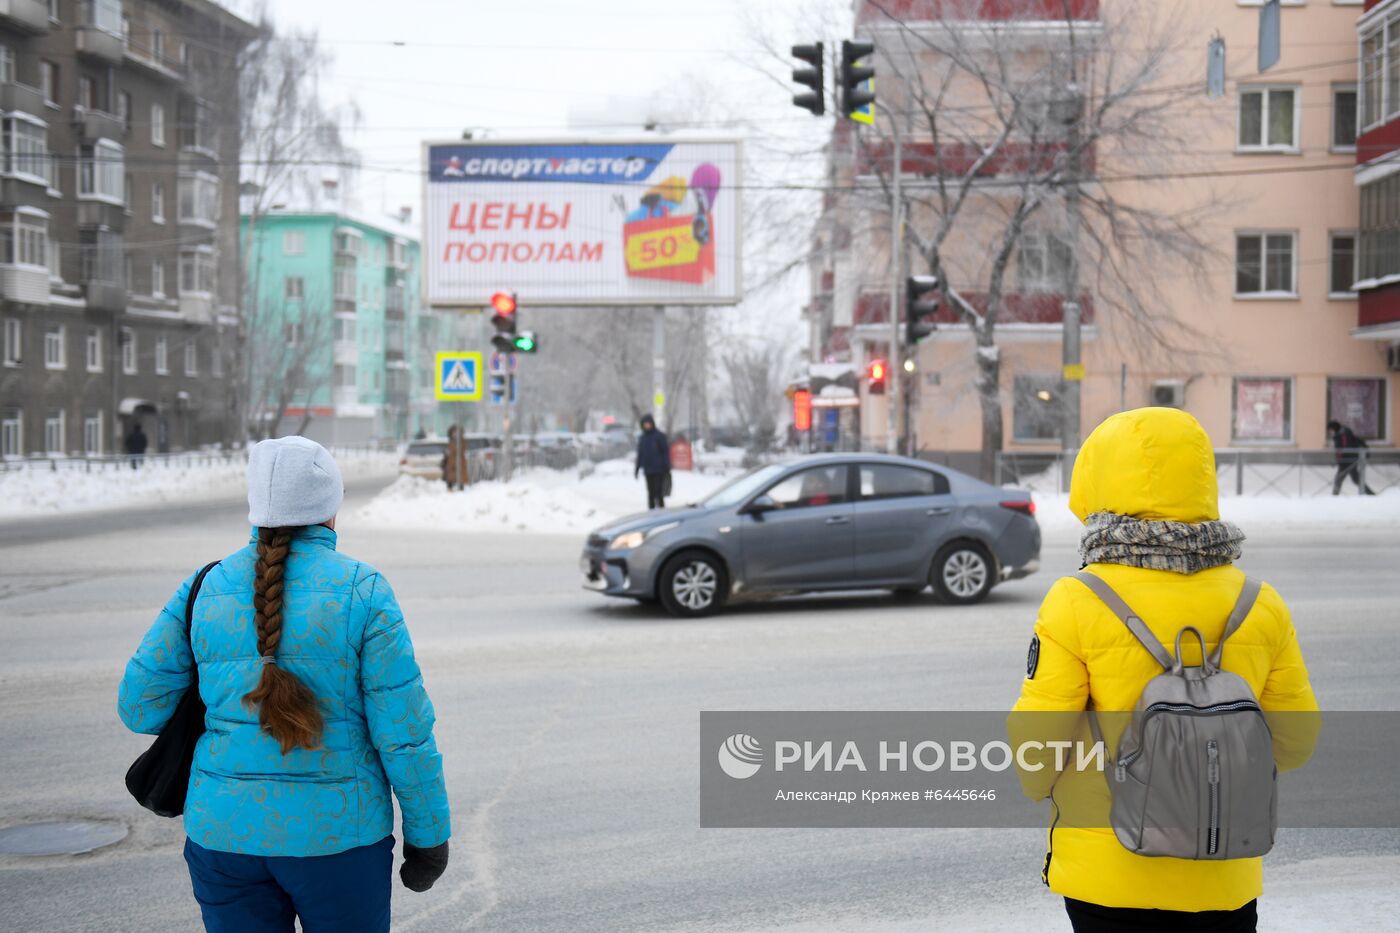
(87,93)
(196,271)
(48,82)
(104,14)
(1262,409)
(344,376)
(53,10)
(92,435)
(1269,119)
(26,147)
(347,242)
(199,199)
(54,433)
(55,355)
(158,202)
(824,485)
(7,64)
(158,278)
(345,276)
(345,330)
(1380,228)
(162,355)
(1265,265)
(129,271)
(1372,77)
(1341,268)
(14,341)
(1036,413)
(293,243)
(157,124)
(124,110)
(157,45)
(184,54)
(191,358)
(94,350)
(881,481)
(101,174)
(1360,405)
(294,288)
(1044,261)
(1344,117)
(128,340)
(126,31)
(216,363)
(127,192)
(24,239)
(12,434)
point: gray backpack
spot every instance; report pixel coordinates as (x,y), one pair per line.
(1195,775)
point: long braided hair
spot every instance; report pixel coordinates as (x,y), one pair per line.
(287,709)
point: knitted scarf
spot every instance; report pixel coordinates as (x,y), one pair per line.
(1181,547)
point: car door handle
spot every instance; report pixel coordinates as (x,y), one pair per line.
(838,520)
(938,511)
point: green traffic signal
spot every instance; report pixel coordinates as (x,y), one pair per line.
(525,342)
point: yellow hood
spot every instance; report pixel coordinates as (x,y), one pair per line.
(1151,463)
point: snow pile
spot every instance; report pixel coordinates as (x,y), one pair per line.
(37,489)
(538,500)
(1253,513)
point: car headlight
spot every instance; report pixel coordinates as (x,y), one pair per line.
(634,539)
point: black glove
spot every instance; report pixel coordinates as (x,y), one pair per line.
(422,867)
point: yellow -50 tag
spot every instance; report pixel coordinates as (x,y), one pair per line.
(1074,372)
(658,249)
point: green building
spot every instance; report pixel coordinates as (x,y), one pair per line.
(339,343)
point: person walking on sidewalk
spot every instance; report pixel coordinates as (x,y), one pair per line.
(1349,458)
(1144,484)
(136,445)
(316,710)
(654,461)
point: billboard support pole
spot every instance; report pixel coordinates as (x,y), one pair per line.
(896,362)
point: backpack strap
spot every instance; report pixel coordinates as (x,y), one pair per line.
(1131,619)
(194,594)
(1243,605)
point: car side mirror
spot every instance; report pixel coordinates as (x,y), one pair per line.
(760,505)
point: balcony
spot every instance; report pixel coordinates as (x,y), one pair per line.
(99,43)
(98,214)
(105,296)
(346,352)
(344,396)
(154,64)
(92,125)
(31,16)
(21,97)
(24,285)
(197,307)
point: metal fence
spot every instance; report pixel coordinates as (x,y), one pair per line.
(1296,474)
(178,459)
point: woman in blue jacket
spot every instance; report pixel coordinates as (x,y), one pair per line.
(315,710)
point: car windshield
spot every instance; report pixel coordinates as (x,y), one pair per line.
(741,487)
(419,450)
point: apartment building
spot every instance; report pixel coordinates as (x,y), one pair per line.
(1378,178)
(1272,304)
(335,318)
(118,223)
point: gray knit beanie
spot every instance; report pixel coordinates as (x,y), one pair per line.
(292,481)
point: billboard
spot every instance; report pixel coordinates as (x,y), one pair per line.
(617,222)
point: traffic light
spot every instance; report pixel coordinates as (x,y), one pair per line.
(526,342)
(877,375)
(855,85)
(503,304)
(813,76)
(920,305)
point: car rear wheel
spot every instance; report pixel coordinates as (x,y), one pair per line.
(962,573)
(693,583)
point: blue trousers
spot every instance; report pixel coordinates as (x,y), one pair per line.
(343,893)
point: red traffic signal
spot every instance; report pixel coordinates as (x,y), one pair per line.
(877,374)
(503,303)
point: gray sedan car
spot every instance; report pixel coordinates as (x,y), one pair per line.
(828,522)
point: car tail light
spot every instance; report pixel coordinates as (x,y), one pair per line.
(1024,506)
(402,461)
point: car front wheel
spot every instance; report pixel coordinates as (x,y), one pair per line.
(693,583)
(962,573)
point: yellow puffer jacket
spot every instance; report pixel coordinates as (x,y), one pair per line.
(1152,463)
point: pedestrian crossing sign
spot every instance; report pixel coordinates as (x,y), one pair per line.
(458,376)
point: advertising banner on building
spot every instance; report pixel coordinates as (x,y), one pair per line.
(1262,409)
(647,222)
(1359,404)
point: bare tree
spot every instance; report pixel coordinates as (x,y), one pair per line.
(1006,131)
(292,140)
(757,375)
(288,362)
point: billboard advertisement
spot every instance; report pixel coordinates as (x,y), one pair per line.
(616,222)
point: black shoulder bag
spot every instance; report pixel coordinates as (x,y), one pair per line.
(160,778)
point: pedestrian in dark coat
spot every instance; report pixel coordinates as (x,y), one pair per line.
(654,460)
(136,445)
(1349,458)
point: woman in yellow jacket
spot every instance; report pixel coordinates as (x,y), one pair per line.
(1144,484)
